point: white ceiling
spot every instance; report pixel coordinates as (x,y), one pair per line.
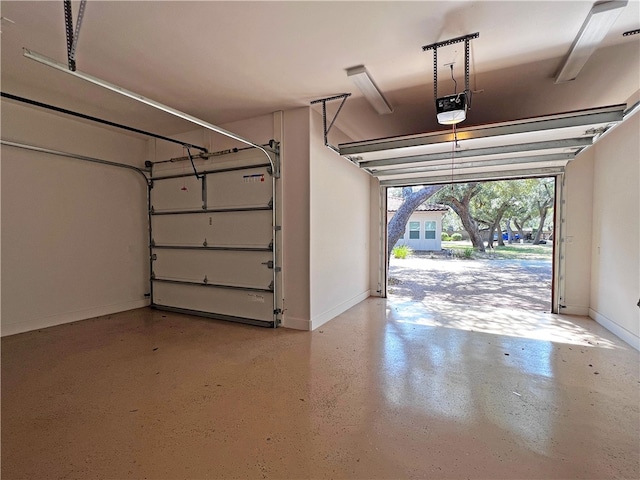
(226,61)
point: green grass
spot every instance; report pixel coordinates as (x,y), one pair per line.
(522,251)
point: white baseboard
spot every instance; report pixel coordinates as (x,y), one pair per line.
(575,310)
(296,323)
(59,319)
(616,329)
(338,309)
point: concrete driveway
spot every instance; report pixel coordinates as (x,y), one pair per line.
(516,284)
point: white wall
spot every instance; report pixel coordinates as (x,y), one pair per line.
(74,234)
(615,256)
(296,223)
(339,229)
(377,237)
(578,196)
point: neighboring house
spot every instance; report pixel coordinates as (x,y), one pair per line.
(424,228)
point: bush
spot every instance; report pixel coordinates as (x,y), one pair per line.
(402,251)
(467,252)
(456,237)
(444,236)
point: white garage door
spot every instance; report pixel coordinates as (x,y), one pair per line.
(533,147)
(213,237)
(536,147)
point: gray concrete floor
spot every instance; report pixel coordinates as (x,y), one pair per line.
(510,283)
(386,390)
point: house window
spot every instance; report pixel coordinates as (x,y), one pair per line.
(430,230)
(414,230)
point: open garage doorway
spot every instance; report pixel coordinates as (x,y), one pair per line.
(477,244)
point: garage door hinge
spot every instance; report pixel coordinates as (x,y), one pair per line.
(270,287)
(277,311)
(154,257)
(271,245)
(204,244)
(277,228)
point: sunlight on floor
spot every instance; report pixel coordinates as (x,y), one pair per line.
(498,321)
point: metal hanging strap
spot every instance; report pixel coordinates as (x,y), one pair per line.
(72,37)
(445,43)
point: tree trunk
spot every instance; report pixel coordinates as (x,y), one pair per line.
(500,239)
(519,227)
(492,229)
(544,209)
(398,222)
(495,225)
(509,232)
(462,209)
(469,224)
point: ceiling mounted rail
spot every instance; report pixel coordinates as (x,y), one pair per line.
(326,129)
(98,120)
(275,165)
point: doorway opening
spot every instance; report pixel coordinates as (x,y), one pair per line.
(483,244)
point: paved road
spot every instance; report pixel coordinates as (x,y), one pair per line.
(519,284)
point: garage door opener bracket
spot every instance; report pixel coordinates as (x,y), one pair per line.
(326,129)
(72,37)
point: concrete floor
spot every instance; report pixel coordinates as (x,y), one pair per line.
(386,390)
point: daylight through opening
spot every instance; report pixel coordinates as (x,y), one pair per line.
(472,245)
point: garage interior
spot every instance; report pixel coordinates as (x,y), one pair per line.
(223,200)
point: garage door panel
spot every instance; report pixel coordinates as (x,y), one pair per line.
(177,194)
(240,188)
(213,239)
(252,229)
(247,269)
(257,305)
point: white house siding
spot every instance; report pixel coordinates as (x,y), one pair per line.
(422,243)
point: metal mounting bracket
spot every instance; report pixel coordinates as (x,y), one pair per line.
(326,129)
(445,43)
(72,37)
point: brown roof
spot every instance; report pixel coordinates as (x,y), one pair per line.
(393,203)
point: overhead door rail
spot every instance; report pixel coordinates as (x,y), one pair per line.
(152,103)
(99,120)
